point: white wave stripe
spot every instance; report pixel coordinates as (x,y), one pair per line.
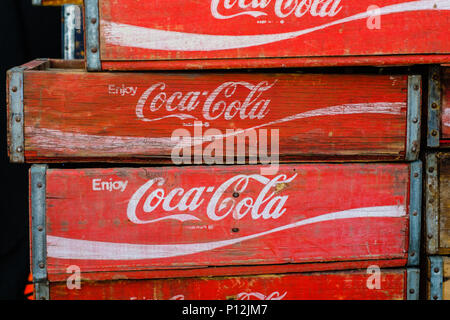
(64,248)
(57,140)
(126,35)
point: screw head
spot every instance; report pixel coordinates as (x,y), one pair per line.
(416,175)
(434,105)
(40,228)
(235,229)
(434,133)
(413,254)
(235,194)
(39,185)
(415,213)
(436,270)
(413,149)
(94,20)
(430,169)
(411,291)
(430,236)
(435,297)
(18,118)
(415,120)
(416,87)
(94,50)
(14,89)
(41,265)
(19,149)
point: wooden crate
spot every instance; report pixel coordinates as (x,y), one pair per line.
(191,34)
(439,107)
(438,278)
(390,284)
(60,113)
(223,220)
(438,203)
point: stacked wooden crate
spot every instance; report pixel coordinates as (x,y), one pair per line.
(339,219)
(437,186)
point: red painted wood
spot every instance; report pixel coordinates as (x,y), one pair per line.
(232,216)
(347,285)
(445,106)
(350,61)
(227,30)
(71,115)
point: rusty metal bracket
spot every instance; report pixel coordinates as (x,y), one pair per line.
(432,204)
(414,117)
(436,277)
(92,35)
(415,213)
(413,283)
(38,231)
(434,107)
(16,136)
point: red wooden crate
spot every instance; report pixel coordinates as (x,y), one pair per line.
(344,285)
(191,34)
(142,223)
(58,112)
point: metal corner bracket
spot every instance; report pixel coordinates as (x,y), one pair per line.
(92,35)
(436,277)
(414,117)
(432,204)
(36,2)
(413,283)
(434,106)
(415,216)
(38,231)
(15,93)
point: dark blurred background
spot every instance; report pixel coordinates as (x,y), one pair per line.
(27,32)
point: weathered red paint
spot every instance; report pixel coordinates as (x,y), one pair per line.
(222,34)
(345,285)
(71,115)
(305,214)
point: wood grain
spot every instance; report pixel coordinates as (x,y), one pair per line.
(71,115)
(345,285)
(156,33)
(227,216)
(444,202)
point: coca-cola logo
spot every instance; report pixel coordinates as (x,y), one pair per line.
(227,9)
(221,202)
(222,102)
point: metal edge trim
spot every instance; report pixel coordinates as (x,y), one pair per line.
(434,106)
(414,117)
(436,277)
(68,11)
(38,231)
(415,213)
(15,92)
(432,204)
(36,2)
(92,23)
(413,283)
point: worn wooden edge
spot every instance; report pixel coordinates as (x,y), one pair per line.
(415,216)
(288,62)
(38,231)
(434,106)
(55,2)
(70,13)
(435,277)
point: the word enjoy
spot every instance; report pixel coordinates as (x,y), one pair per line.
(108,185)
